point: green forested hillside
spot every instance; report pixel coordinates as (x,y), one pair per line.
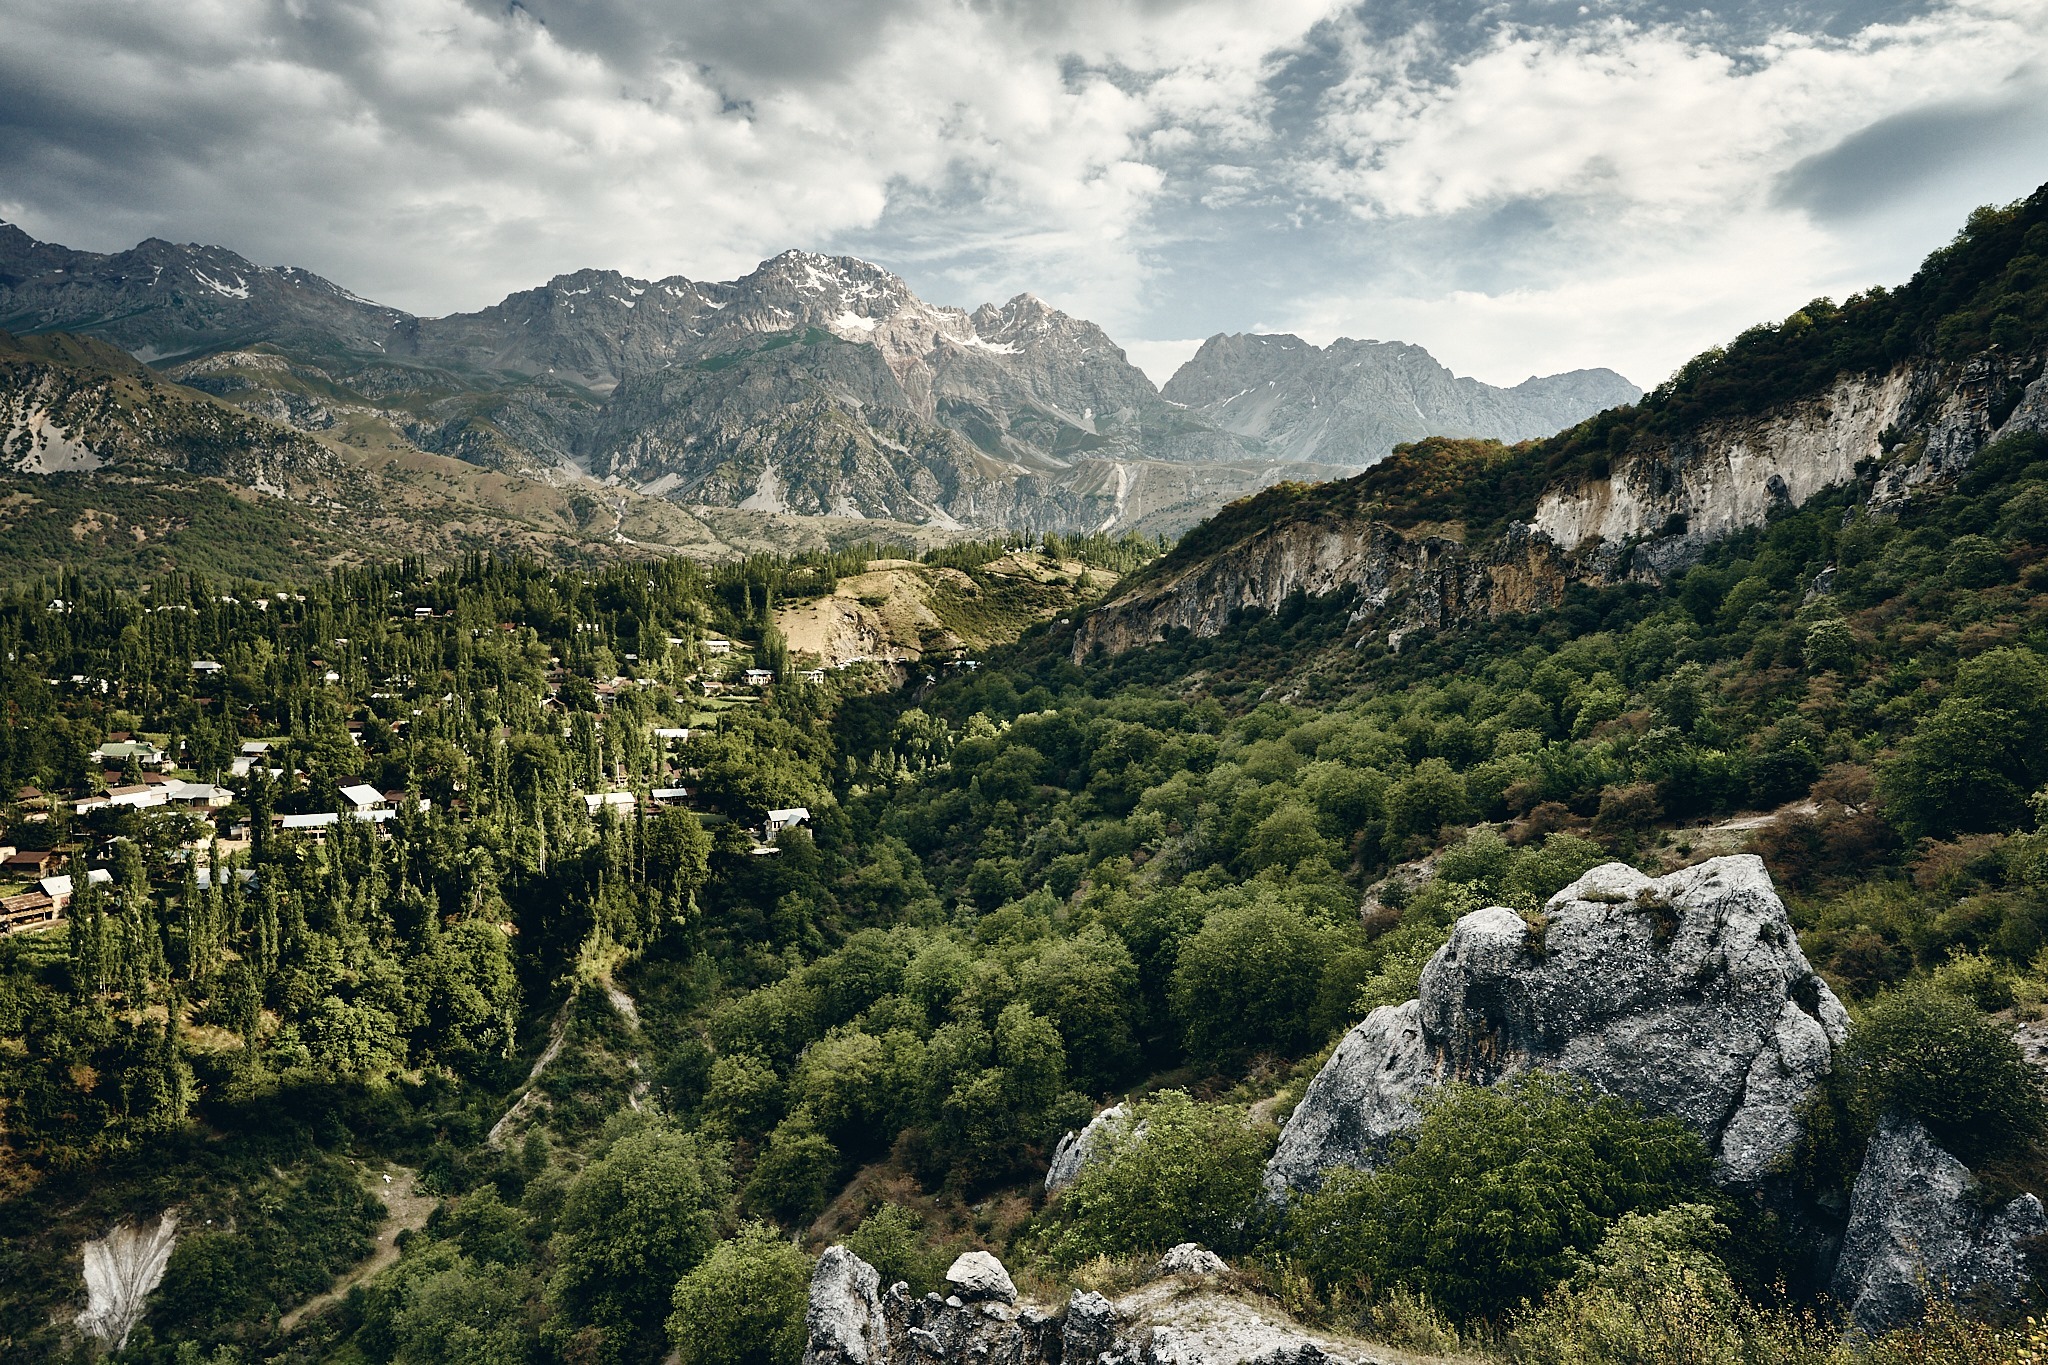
(644,1054)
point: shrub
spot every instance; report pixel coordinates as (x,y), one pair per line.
(1933,1055)
(1192,1175)
(891,1239)
(1248,981)
(744,1305)
(1483,1205)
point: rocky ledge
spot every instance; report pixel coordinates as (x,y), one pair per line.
(1181,1318)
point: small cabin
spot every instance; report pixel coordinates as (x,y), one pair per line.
(780,820)
(718,646)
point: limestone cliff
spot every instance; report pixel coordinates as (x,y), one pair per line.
(1651,515)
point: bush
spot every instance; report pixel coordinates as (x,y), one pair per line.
(744,1305)
(797,1172)
(891,1239)
(1482,1207)
(1934,1056)
(1192,1175)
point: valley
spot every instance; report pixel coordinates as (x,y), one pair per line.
(1555,897)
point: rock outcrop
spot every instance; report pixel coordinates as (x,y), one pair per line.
(1687,994)
(1167,1322)
(1077,1149)
(1919,1221)
(121,1269)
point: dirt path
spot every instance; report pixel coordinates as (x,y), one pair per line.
(408,1205)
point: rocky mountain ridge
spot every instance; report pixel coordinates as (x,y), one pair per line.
(1352,402)
(813,385)
(1650,515)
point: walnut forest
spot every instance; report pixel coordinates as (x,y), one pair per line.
(1581,901)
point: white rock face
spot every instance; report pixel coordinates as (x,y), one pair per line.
(1077,1149)
(121,1269)
(844,1317)
(1918,1221)
(1191,1259)
(1687,994)
(978,1276)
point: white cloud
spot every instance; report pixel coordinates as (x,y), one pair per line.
(1653,159)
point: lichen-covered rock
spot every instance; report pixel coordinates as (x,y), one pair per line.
(1918,1221)
(976,1275)
(844,1317)
(1077,1149)
(1090,1330)
(1687,994)
(1191,1259)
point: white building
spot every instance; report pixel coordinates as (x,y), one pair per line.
(780,820)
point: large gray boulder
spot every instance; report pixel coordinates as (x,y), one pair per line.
(977,1276)
(1687,994)
(1918,1220)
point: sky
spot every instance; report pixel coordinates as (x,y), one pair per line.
(1523,187)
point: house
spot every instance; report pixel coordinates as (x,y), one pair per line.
(618,801)
(60,889)
(200,794)
(30,863)
(758,677)
(814,675)
(668,796)
(26,911)
(206,668)
(675,732)
(364,797)
(422,613)
(718,646)
(780,820)
(255,748)
(144,753)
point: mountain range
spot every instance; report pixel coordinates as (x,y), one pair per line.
(814,386)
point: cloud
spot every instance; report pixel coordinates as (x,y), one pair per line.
(1522,185)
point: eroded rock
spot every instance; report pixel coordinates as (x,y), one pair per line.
(1191,1259)
(1167,1322)
(1918,1221)
(121,1269)
(1687,994)
(1077,1149)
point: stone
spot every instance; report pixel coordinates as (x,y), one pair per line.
(1076,1150)
(1918,1221)
(1192,1259)
(1687,994)
(976,1276)
(1090,1331)
(844,1317)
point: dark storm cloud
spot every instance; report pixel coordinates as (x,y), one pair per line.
(1874,167)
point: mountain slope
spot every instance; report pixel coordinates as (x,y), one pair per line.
(1900,389)
(1353,401)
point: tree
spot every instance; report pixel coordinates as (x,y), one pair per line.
(1248,981)
(797,1172)
(1971,765)
(744,1305)
(1087,986)
(633,1222)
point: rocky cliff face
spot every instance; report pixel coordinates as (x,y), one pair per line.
(1351,402)
(1687,994)
(1912,428)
